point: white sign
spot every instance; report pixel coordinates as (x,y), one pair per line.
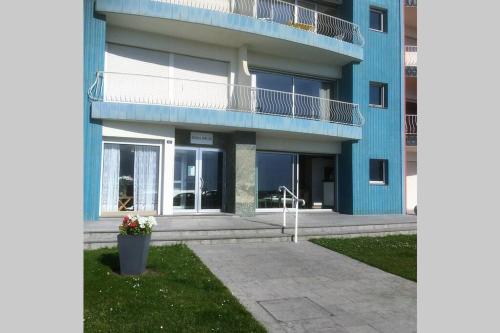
(202,138)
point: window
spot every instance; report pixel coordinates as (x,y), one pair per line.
(130,178)
(270,102)
(378,172)
(378,19)
(272,171)
(378,94)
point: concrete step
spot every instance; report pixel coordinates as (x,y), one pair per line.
(107,238)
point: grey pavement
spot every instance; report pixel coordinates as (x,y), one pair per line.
(307,288)
(259,221)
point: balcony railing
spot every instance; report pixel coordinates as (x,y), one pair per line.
(410,55)
(411,129)
(411,3)
(411,124)
(157,90)
(284,13)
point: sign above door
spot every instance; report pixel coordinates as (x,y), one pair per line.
(201,138)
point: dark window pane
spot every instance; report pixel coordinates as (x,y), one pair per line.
(211,184)
(378,170)
(375,20)
(375,94)
(307,107)
(184,178)
(268,100)
(273,170)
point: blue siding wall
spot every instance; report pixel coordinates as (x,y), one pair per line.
(94,35)
(231,119)
(382,133)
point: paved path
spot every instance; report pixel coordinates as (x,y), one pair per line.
(261,220)
(306,288)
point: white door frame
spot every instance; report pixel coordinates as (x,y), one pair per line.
(198,171)
(133,142)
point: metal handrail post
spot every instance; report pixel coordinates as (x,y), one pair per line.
(284,208)
(295,238)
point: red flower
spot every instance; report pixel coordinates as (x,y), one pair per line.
(125,219)
(133,225)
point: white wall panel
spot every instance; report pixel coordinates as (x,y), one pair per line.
(411,185)
(144,87)
(192,75)
(139,75)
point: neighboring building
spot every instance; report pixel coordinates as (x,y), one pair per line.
(411,103)
(210,105)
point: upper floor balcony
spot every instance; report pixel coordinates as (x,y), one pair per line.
(411,130)
(296,29)
(137,97)
(411,3)
(411,60)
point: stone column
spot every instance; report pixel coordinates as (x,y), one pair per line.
(244,159)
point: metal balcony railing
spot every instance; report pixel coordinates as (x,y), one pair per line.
(283,12)
(411,124)
(410,55)
(158,90)
(411,3)
(411,130)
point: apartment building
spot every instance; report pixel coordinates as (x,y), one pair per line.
(195,106)
(410,20)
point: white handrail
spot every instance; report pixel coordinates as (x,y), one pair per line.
(159,90)
(284,13)
(295,200)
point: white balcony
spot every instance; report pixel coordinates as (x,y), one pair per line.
(156,90)
(283,12)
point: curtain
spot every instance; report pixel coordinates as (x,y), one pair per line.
(110,178)
(146,178)
(325,109)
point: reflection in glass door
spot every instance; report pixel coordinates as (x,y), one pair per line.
(185,179)
(211,180)
(275,170)
(198,179)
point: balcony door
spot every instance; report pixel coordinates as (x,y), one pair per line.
(198,180)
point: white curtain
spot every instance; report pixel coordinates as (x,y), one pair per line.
(325,106)
(146,178)
(110,178)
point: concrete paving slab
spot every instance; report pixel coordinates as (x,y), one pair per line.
(260,221)
(307,288)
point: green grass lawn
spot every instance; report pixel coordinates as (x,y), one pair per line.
(393,254)
(177,294)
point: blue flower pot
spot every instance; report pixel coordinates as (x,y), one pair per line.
(133,251)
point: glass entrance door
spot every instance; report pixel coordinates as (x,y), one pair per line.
(198,179)
(211,180)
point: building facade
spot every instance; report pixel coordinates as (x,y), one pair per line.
(411,52)
(194,106)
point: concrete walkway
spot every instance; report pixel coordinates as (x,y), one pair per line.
(306,288)
(259,221)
